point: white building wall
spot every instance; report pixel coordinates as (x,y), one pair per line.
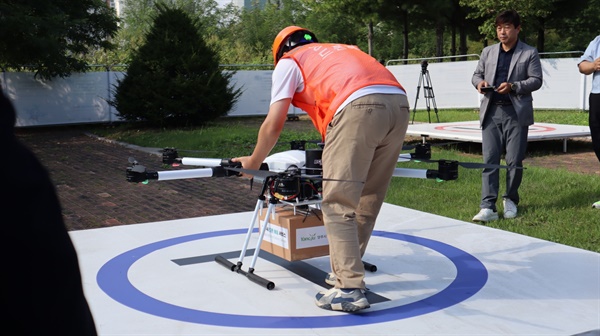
(118,6)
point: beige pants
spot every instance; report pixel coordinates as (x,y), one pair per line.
(362,143)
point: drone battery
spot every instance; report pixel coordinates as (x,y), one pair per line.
(313,160)
(294,237)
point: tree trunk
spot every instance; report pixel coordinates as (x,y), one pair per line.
(370,37)
(463,41)
(453,43)
(405,35)
(541,38)
(439,45)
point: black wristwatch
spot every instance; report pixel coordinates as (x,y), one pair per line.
(513,87)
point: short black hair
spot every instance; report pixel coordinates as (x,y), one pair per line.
(508,16)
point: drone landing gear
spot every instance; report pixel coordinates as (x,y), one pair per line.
(315,277)
(238,266)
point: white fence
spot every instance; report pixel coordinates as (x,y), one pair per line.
(82,98)
(563,88)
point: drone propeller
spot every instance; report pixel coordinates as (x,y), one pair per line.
(196,151)
(267,173)
(447,169)
(427,144)
(300,144)
(410,147)
(474,165)
(422,151)
(423,154)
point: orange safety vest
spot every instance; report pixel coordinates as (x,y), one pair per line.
(332,72)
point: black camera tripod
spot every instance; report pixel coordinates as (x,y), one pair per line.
(425,83)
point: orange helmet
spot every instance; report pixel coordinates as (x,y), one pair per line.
(290,38)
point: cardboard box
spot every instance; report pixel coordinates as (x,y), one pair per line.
(294,237)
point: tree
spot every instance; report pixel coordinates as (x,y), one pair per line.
(364,11)
(138,14)
(335,27)
(573,25)
(399,17)
(537,16)
(249,38)
(48,37)
(252,35)
(174,78)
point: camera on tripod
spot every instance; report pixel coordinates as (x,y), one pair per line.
(424,65)
(425,84)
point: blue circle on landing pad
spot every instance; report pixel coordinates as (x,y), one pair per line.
(471,276)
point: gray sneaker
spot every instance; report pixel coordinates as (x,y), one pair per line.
(330,279)
(510,208)
(485,215)
(342,300)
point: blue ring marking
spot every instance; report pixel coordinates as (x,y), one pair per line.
(112,278)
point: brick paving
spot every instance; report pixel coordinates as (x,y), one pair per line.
(89,176)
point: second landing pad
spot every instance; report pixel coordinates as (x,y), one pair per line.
(470,131)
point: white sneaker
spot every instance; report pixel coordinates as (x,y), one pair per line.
(330,279)
(342,299)
(510,208)
(596,205)
(485,215)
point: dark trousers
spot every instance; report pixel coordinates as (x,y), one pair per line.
(594,119)
(502,133)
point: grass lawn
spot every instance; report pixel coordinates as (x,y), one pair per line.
(555,206)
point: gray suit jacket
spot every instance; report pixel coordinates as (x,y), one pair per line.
(525,72)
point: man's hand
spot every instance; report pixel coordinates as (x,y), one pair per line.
(596,64)
(247,163)
(503,88)
(588,68)
(480,85)
(267,135)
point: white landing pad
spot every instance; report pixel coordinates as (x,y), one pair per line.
(471,132)
(435,276)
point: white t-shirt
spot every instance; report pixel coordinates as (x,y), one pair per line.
(591,53)
(287,80)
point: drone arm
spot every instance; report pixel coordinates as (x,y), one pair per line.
(170,156)
(404,157)
(188,161)
(140,174)
(190,173)
(413,173)
(447,171)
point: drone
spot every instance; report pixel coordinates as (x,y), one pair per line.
(292,177)
(297,163)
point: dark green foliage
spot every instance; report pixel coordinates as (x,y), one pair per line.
(49,37)
(174,78)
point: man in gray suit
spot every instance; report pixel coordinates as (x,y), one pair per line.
(506,75)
